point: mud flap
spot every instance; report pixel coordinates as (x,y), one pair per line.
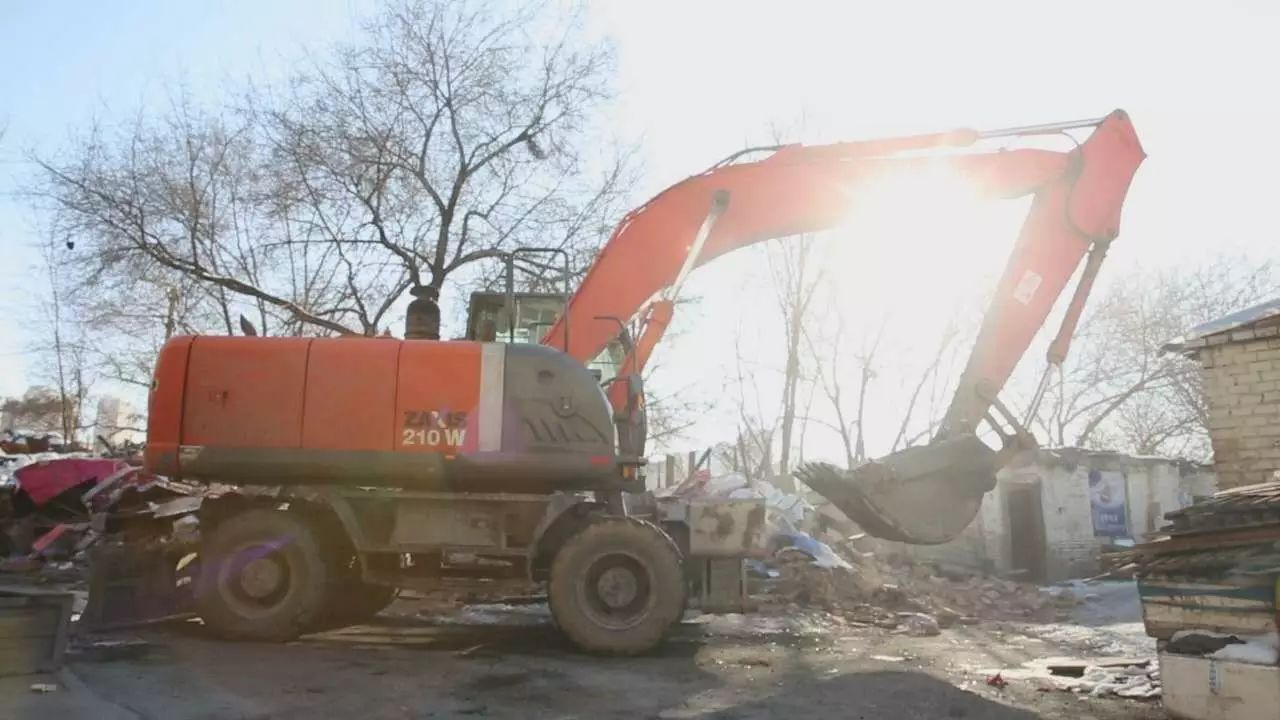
(923,495)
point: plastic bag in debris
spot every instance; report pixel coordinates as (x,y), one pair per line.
(720,486)
(793,507)
(734,486)
(820,552)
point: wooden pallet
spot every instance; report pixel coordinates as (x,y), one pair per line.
(1250,506)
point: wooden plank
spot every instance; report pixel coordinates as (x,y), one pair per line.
(1162,621)
(1256,595)
(1208,541)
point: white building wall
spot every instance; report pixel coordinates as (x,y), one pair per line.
(1154,486)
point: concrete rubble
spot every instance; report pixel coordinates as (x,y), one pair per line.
(854,583)
(888,594)
(849,578)
(1135,681)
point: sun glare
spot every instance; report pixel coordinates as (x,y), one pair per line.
(920,234)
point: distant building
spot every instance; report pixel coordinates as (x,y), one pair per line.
(1240,366)
(1052,518)
(118,422)
(37,413)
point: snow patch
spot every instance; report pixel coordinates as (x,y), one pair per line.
(1258,650)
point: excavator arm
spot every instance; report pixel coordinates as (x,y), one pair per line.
(925,494)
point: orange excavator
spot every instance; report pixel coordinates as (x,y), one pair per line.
(418,461)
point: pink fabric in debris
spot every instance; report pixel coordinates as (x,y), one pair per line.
(43,481)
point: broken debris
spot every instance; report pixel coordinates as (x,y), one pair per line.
(907,595)
(1137,681)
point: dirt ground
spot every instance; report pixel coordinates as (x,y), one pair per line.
(506,661)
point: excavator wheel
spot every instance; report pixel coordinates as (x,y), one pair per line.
(352,603)
(617,586)
(349,600)
(263,576)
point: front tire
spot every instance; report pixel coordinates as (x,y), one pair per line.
(617,586)
(263,576)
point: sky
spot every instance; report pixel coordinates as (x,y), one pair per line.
(698,80)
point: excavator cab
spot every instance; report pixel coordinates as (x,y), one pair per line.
(490,316)
(525,317)
(489,319)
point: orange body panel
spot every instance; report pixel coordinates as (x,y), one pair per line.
(350,394)
(245,394)
(437,396)
(378,412)
(164,405)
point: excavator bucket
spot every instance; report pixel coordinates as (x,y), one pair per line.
(922,495)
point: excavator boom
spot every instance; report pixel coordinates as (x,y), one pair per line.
(924,494)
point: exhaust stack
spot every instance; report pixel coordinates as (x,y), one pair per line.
(422,317)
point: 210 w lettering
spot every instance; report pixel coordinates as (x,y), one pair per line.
(454,437)
(434,428)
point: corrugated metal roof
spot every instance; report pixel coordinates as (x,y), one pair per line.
(1240,320)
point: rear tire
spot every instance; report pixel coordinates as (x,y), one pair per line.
(617,586)
(352,603)
(263,576)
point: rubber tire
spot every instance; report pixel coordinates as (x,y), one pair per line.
(364,600)
(353,602)
(666,582)
(310,574)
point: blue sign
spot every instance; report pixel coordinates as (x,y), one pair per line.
(1107,498)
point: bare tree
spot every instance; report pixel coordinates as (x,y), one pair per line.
(795,280)
(62,355)
(1119,389)
(451,132)
(454,132)
(847,370)
(757,430)
(829,368)
(188,198)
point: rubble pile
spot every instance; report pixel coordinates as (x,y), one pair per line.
(848,576)
(67,519)
(891,594)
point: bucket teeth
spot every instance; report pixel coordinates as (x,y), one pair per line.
(925,495)
(847,492)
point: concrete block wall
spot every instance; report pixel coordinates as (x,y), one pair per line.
(1154,486)
(1071,550)
(1242,387)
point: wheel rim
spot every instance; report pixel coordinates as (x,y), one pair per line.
(261,578)
(616,591)
(256,579)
